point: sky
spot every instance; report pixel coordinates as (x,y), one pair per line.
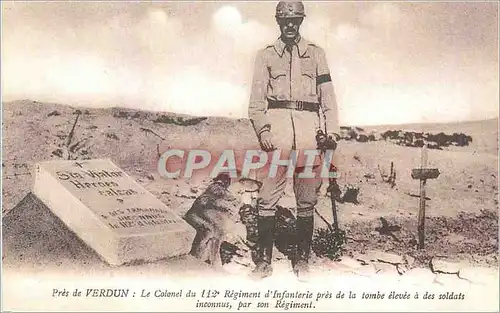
(391,62)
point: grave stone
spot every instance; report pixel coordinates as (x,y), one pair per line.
(110,212)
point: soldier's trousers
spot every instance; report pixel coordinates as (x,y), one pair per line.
(306,191)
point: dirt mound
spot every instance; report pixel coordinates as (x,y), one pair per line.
(34,236)
(469,236)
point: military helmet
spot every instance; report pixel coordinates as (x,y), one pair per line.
(290,9)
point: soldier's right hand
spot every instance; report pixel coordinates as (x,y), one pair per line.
(266,141)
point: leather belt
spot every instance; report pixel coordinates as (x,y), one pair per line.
(295,105)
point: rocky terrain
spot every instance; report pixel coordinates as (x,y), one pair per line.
(462,216)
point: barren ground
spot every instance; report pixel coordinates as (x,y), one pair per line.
(462,218)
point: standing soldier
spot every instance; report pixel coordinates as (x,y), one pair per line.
(292,101)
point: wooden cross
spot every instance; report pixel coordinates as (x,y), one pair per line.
(423,174)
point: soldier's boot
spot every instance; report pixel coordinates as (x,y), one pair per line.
(266,231)
(305,228)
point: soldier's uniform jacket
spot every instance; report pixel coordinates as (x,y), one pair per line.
(298,73)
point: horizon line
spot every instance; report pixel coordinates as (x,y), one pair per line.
(237,118)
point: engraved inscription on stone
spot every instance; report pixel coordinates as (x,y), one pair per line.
(109,183)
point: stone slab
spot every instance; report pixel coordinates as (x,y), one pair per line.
(110,212)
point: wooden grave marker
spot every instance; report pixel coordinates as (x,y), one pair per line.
(423,174)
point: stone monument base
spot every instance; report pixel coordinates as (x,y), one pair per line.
(110,212)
